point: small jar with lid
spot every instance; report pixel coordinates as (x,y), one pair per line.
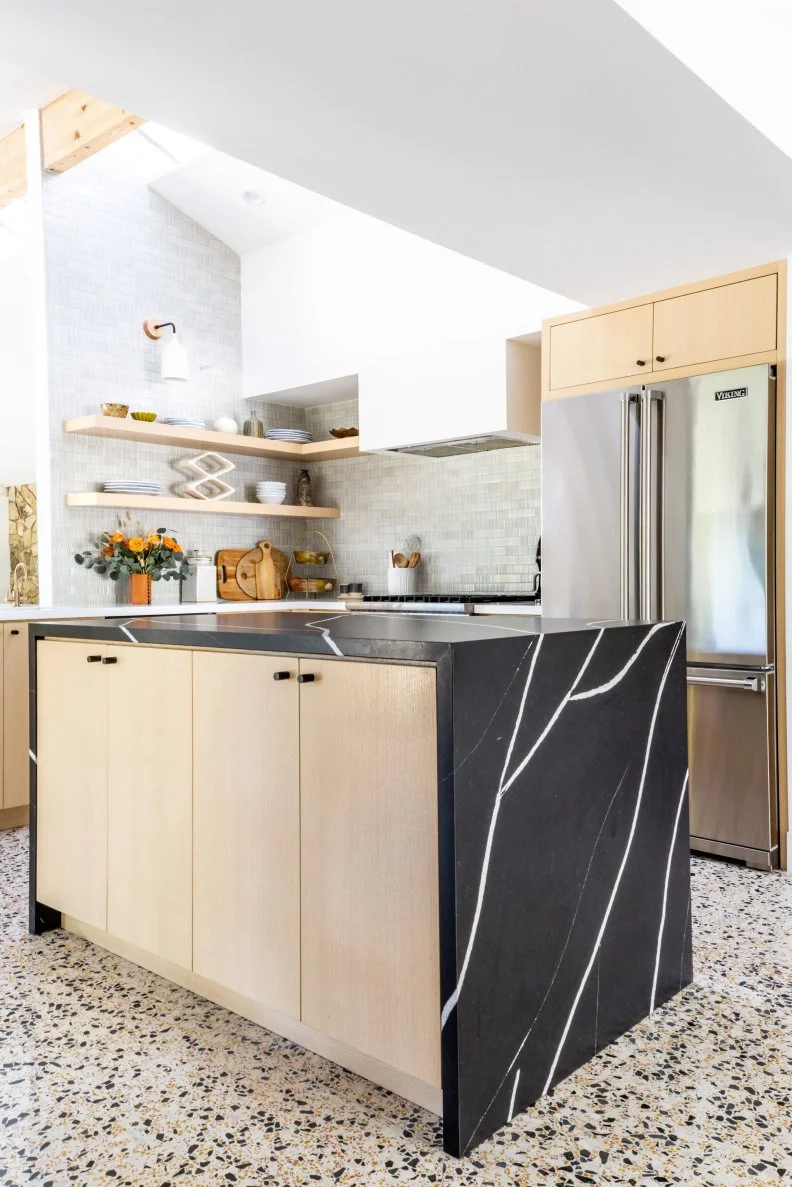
(200,585)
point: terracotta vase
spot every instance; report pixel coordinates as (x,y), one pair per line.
(140,589)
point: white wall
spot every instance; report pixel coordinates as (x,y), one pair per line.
(17,439)
(354,291)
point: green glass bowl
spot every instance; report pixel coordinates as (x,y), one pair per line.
(147,416)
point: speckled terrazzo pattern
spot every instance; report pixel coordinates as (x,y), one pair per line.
(109,1075)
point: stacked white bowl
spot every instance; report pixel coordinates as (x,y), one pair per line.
(271,492)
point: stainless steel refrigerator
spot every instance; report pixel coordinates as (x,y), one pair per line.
(658,503)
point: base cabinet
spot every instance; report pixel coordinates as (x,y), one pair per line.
(368,778)
(274,838)
(71,833)
(149,800)
(14,685)
(246,827)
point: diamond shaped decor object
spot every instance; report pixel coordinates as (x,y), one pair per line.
(209,484)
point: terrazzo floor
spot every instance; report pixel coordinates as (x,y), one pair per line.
(109,1075)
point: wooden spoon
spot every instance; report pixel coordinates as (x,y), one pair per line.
(414,561)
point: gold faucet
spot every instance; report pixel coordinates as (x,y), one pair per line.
(16,589)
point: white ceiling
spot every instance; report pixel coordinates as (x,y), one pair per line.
(21,90)
(557,141)
(211,189)
(744,54)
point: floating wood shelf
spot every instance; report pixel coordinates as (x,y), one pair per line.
(160,434)
(164,503)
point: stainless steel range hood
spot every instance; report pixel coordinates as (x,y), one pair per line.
(484,443)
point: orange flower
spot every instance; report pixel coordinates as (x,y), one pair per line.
(136,544)
(117,538)
(153,539)
(172,544)
(107,551)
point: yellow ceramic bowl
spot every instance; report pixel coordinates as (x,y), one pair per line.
(114,409)
(147,416)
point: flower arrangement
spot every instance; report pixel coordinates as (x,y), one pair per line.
(157,555)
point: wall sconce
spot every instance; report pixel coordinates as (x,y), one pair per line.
(173,364)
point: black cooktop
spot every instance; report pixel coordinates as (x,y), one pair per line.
(476,599)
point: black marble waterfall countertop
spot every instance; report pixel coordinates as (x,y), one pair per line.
(355,634)
(563,833)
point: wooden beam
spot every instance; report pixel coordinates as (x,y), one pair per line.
(13,172)
(75,126)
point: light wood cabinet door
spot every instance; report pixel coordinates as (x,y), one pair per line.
(149,842)
(598,349)
(721,323)
(71,832)
(246,826)
(368,764)
(16,716)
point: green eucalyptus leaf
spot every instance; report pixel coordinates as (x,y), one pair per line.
(162,531)
(100,569)
(114,574)
(80,560)
(156,576)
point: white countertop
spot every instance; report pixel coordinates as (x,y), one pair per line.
(47,613)
(304,605)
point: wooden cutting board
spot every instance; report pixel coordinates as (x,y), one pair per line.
(261,573)
(228,587)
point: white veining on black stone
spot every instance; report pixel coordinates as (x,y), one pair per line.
(603,688)
(453,999)
(622,866)
(665,891)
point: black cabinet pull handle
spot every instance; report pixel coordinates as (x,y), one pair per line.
(110,659)
(14,631)
(641,362)
(659,358)
(93,659)
(281,675)
(306,678)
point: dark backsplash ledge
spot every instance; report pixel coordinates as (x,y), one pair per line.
(479,516)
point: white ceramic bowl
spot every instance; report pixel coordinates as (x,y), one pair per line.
(273,497)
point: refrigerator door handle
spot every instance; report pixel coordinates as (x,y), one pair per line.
(626,547)
(743,683)
(651,505)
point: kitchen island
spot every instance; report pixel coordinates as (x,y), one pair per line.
(449,852)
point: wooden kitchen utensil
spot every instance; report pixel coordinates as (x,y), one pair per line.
(228,587)
(261,572)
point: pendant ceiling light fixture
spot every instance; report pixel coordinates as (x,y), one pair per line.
(173,364)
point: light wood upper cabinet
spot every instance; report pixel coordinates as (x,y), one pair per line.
(720,323)
(728,321)
(246,826)
(72,779)
(15,701)
(149,794)
(602,348)
(368,764)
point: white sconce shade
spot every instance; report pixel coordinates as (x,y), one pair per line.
(174,359)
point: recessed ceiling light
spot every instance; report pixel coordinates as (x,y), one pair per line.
(254,198)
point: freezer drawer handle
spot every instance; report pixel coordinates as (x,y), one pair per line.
(749,684)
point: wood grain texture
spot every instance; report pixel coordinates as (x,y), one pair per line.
(75,126)
(163,503)
(162,434)
(668,369)
(427,1096)
(149,731)
(370,931)
(246,827)
(13,166)
(601,349)
(14,817)
(16,716)
(716,324)
(523,387)
(72,780)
